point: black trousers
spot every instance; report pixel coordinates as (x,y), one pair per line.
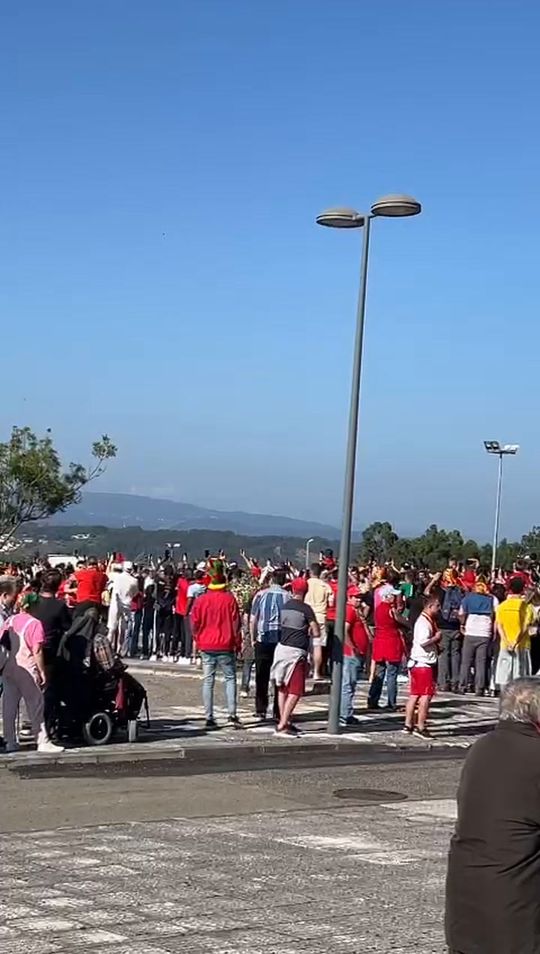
(80,608)
(264,656)
(51,703)
(147,627)
(474,654)
(184,640)
(449,659)
(330,645)
(165,633)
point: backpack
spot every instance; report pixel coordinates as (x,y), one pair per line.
(452,600)
(131,696)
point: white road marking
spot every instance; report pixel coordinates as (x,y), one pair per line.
(433,808)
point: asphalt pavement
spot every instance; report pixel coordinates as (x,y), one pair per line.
(282,862)
(340,849)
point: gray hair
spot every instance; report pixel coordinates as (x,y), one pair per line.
(7,585)
(520,701)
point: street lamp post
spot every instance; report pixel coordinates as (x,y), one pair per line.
(308,544)
(393,206)
(499,450)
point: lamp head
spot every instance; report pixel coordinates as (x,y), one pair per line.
(341,218)
(396,206)
(494,447)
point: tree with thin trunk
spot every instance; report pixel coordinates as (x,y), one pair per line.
(33,483)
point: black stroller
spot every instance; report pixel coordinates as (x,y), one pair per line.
(92,694)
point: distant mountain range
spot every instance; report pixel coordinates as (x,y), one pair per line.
(129,510)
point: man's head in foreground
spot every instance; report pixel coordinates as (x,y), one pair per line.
(520,701)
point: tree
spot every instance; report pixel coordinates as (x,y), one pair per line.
(507,553)
(33,485)
(435,547)
(377,542)
(530,542)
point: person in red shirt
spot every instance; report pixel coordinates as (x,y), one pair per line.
(68,588)
(327,561)
(519,573)
(137,605)
(91,582)
(388,648)
(355,649)
(468,577)
(216,627)
(331,616)
(182,632)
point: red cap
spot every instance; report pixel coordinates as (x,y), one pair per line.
(299,586)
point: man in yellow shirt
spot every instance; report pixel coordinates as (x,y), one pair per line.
(513,618)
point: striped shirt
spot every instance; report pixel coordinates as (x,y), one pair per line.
(266,613)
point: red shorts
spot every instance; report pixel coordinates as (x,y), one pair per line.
(422,681)
(296,685)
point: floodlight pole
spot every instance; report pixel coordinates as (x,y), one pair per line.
(497,516)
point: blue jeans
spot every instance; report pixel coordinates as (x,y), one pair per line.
(247,669)
(352,670)
(391,670)
(226,663)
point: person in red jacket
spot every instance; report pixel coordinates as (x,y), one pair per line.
(216,626)
(388,648)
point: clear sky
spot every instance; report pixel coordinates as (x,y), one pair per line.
(162,277)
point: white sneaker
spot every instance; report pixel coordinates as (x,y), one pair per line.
(49,746)
(244,694)
(153,658)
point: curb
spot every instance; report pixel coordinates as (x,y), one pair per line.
(155,751)
(220,756)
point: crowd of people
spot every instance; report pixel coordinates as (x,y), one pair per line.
(458,630)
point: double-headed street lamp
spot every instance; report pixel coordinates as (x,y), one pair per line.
(390,206)
(500,450)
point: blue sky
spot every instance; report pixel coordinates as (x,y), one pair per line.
(162,278)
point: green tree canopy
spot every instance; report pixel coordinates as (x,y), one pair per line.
(435,547)
(378,541)
(33,483)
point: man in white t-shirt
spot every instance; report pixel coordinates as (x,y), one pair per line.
(422,668)
(123,586)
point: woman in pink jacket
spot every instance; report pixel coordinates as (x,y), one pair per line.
(23,676)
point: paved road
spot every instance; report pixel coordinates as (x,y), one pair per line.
(276,862)
(176,711)
(297,860)
(177,714)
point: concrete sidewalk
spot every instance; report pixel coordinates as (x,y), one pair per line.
(177,731)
